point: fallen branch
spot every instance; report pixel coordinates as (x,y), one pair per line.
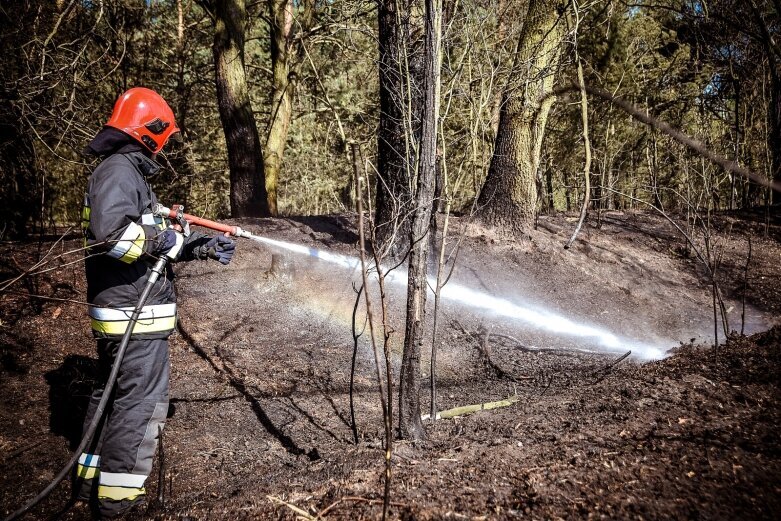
(326,510)
(469,409)
(606,370)
(520,346)
(21,451)
(501,373)
(291,506)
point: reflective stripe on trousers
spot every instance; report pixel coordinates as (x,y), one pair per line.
(88,467)
(128,439)
(157,318)
(117,486)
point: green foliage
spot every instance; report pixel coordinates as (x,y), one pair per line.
(704,71)
(684,64)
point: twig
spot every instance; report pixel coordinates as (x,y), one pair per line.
(41,262)
(521,346)
(606,370)
(21,451)
(586,140)
(501,373)
(384,401)
(326,510)
(353,422)
(48,39)
(55,299)
(745,287)
(356,336)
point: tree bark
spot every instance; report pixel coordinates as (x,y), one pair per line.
(774,65)
(410,425)
(775,128)
(248,196)
(397,129)
(549,188)
(509,195)
(284,73)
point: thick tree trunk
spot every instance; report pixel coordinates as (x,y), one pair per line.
(410,425)
(281,14)
(245,156)
(509,195)
(501,35)
(398,127)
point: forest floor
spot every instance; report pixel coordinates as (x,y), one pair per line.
(259,423)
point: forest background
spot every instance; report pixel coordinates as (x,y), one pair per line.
(312,87)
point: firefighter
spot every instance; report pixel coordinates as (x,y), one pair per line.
(123,238)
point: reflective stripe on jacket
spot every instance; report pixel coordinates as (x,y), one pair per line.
(120,232)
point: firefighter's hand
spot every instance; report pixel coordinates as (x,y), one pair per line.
(221,248)
(169,243)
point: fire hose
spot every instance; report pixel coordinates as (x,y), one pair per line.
(175,213)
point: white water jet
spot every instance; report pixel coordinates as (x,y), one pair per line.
(334,258)
(501,307)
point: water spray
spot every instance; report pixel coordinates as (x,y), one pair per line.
(458,293)
(500,307)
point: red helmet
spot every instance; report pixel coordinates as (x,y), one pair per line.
(144,115)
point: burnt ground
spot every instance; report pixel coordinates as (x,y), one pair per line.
(261,367)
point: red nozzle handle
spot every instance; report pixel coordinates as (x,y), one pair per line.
(174,212)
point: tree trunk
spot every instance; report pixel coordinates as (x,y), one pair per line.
(180,155)
(775,128)
(501,35)
(245,156)
(284,73)
(397,129)
(509,195)
(774,65)
(549,187)
(410,425)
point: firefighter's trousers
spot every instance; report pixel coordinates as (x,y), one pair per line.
(119,461)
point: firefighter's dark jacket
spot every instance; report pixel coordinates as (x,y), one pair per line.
(121,234)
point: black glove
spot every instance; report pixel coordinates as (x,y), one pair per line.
(221,248)
(169,243)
